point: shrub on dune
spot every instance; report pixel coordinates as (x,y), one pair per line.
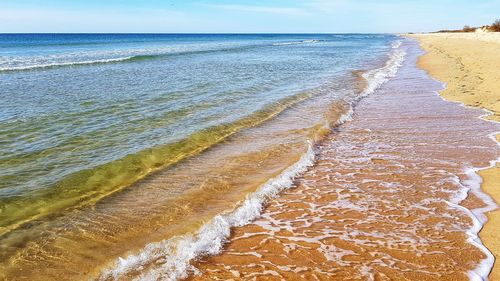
(495,26)
(468,29)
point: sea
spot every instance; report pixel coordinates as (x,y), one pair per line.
(126,154)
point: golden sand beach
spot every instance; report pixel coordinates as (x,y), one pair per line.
(469,64)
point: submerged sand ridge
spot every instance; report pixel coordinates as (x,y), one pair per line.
(382,200)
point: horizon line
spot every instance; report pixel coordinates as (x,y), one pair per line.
(212,33)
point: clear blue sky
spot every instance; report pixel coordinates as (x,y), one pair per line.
(294,16)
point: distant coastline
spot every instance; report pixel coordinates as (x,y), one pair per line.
(494,27)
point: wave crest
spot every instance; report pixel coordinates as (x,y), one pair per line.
(297,42)
(75,63)
(170,259)
(377,77)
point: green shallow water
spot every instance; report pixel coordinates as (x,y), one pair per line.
(89,186)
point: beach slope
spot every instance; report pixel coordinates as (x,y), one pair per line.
(469,64)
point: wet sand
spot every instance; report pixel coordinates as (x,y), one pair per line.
(385,200)
(469,64)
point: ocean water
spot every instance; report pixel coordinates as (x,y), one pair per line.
(109,142)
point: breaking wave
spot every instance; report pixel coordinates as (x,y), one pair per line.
(296,42)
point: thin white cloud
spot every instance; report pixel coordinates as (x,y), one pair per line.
(263,9)
(326,5)
(344,6)
(61,20)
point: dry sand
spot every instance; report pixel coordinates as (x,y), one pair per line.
(470,65)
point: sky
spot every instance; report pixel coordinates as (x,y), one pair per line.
(244,16)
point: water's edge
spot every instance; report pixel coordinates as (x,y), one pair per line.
(473,185)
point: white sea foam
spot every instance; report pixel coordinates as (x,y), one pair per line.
(377,77)
(296,42)
(170,259)
(397,44)
(473,184)
(347,116)
(57,64)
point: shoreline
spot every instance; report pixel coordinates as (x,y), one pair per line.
(342,215)
(453,59)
